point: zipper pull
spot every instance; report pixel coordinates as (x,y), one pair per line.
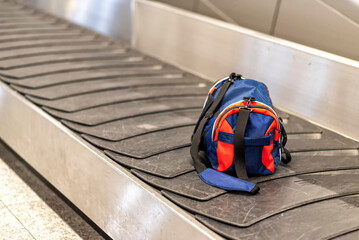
(249,100)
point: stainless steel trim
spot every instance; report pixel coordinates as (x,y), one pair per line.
(218,11)
(254,14)
(313,84)
(323,27)
(347,5)
(120,204)
(347,8)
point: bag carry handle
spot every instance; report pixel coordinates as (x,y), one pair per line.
(286,157)
(201,163)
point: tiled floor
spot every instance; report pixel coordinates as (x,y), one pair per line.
(29,209)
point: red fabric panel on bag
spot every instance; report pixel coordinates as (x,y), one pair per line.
(225,155)
(267,158)
(225,152)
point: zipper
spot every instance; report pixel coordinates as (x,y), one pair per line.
(225,111)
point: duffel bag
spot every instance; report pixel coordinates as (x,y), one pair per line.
(238,135)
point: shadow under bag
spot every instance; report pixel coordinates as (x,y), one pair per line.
(238,134)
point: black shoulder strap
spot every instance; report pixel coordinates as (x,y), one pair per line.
(204,111)
(207,114)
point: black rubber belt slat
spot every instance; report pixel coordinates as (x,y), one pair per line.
(311,163)
(8,7)
(167,165)
(6,46)
(28,19)
(328,141)
(275,197)
(56,43)
(321,220)
(144,145)
(16,14)
(11,5)
(69,57)
(73,33)
(76,76)
(69,89)
(188,185)
(10,12)
(121,147)
(113,112)
(131,149)
(308,164)
(120,129)
(14,7)
(319,163)
(9,18)
(130,127)
(351,235)
(95,99)
(25,52)
(21,14)
(297,125)
(44,30)
(299,165)
(20,19)
(40,29)
(43,22)
(101,64)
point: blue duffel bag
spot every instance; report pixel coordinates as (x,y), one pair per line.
(238,134)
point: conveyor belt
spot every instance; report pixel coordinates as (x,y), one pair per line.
(141,113)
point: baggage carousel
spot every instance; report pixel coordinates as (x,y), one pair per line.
(110,127)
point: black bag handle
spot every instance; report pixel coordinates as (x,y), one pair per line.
(286,157)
